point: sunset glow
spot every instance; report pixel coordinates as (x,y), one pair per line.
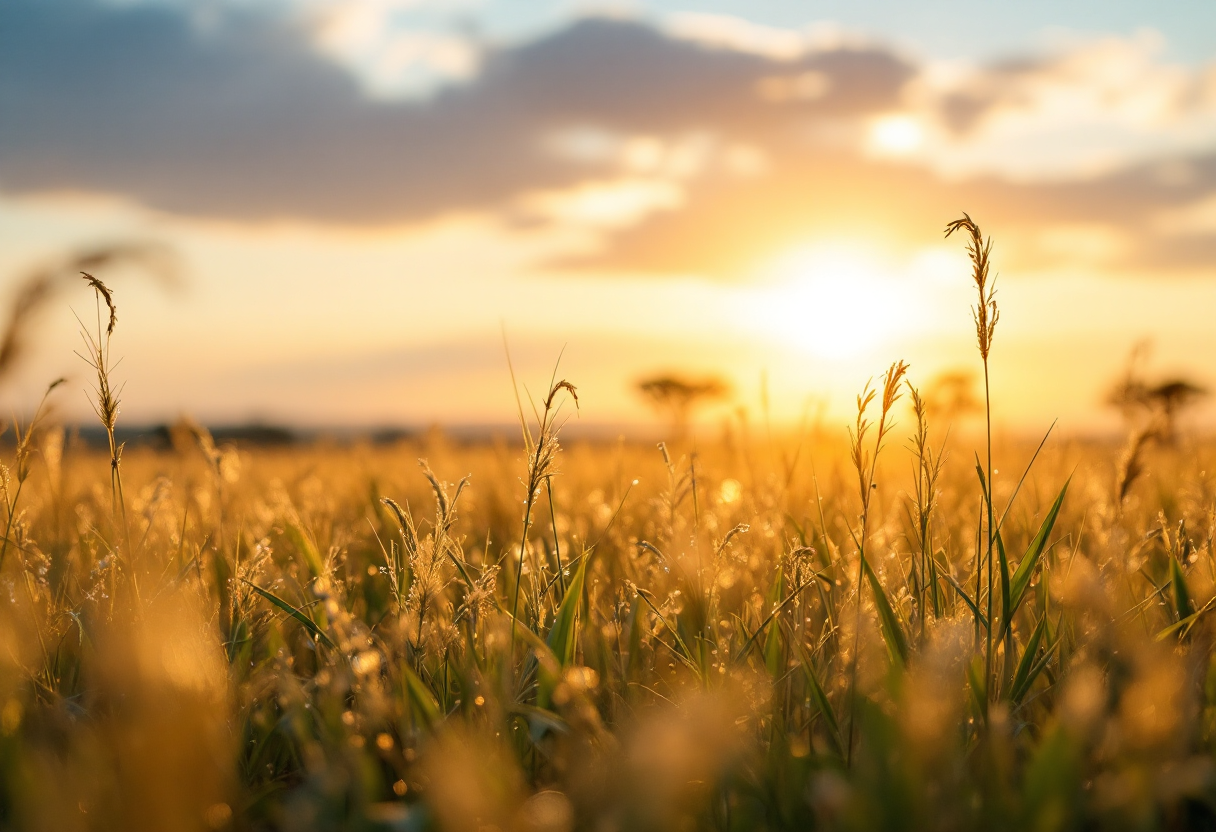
(647,186)
(626,415)
(896,135)
(834,303)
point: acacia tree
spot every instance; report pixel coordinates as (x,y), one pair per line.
(950,395)
(676,397)
(1152,406)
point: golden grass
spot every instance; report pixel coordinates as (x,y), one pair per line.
(856,630)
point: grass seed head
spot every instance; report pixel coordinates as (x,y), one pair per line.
(979,250)
(104,292)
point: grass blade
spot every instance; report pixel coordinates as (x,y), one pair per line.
(1185,624)
(975,683)
(317,633)
(1003,561)
(1183,607)
(892,629)
(683,654)
(420,696)
(304,545)
(820,698)
(962,593)
(561,636)
(1007,609)
(774,659)
(1021,677)
(751,639)
(1038,668)
(1025,570)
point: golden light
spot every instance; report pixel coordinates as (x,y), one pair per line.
(833,302)
(895,135)
(607,204)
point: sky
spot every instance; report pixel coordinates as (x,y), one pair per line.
(362,201)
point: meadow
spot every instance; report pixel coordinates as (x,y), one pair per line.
(885,625)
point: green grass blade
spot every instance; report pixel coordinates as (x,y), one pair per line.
(774,659)
(1007,609)
(892,629)
(962,593)
(561,636)
(539,721)
(1025,570)
(317,633)
(820,699)
(683,654)
(548,668)
(306,548)
(1038,668)
(1022,479)
(751,639)
(934,592)
(1021,677)
(1183,607)
(420,696)
(1003,562)
(975,683)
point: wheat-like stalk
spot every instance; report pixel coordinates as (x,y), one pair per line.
(865,464)
(542,459)
(986,315)
(106,399)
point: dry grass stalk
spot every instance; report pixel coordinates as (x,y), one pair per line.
(986,316)
(865,464)
(927,469)
(106,400)
(40,286)
(21,467)
(542,459)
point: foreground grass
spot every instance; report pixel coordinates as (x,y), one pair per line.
(281,648)
(883,633)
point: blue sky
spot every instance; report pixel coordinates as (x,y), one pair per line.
(944,28)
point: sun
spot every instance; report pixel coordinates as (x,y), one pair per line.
(895,135)
(832,302)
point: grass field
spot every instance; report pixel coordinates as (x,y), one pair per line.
(835,629)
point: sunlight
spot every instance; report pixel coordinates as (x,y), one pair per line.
(896,135)
(833,302)
(607,204)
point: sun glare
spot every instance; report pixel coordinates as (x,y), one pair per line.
(832,303)
(896,135)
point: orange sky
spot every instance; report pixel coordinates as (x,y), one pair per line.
(638,193)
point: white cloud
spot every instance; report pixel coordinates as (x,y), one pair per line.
(605,204)
(396,48)
(1094,107)
(678,157)
(734,33)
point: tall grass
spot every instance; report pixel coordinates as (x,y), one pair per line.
(341,638)
(986,316)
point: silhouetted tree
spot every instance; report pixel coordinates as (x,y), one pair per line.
(951,394)
(678,396)
(1152,406)
(1150,411)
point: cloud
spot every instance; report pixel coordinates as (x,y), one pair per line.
(244,119)
(700,146)
(1088,108)
(727,222)
(397,48)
